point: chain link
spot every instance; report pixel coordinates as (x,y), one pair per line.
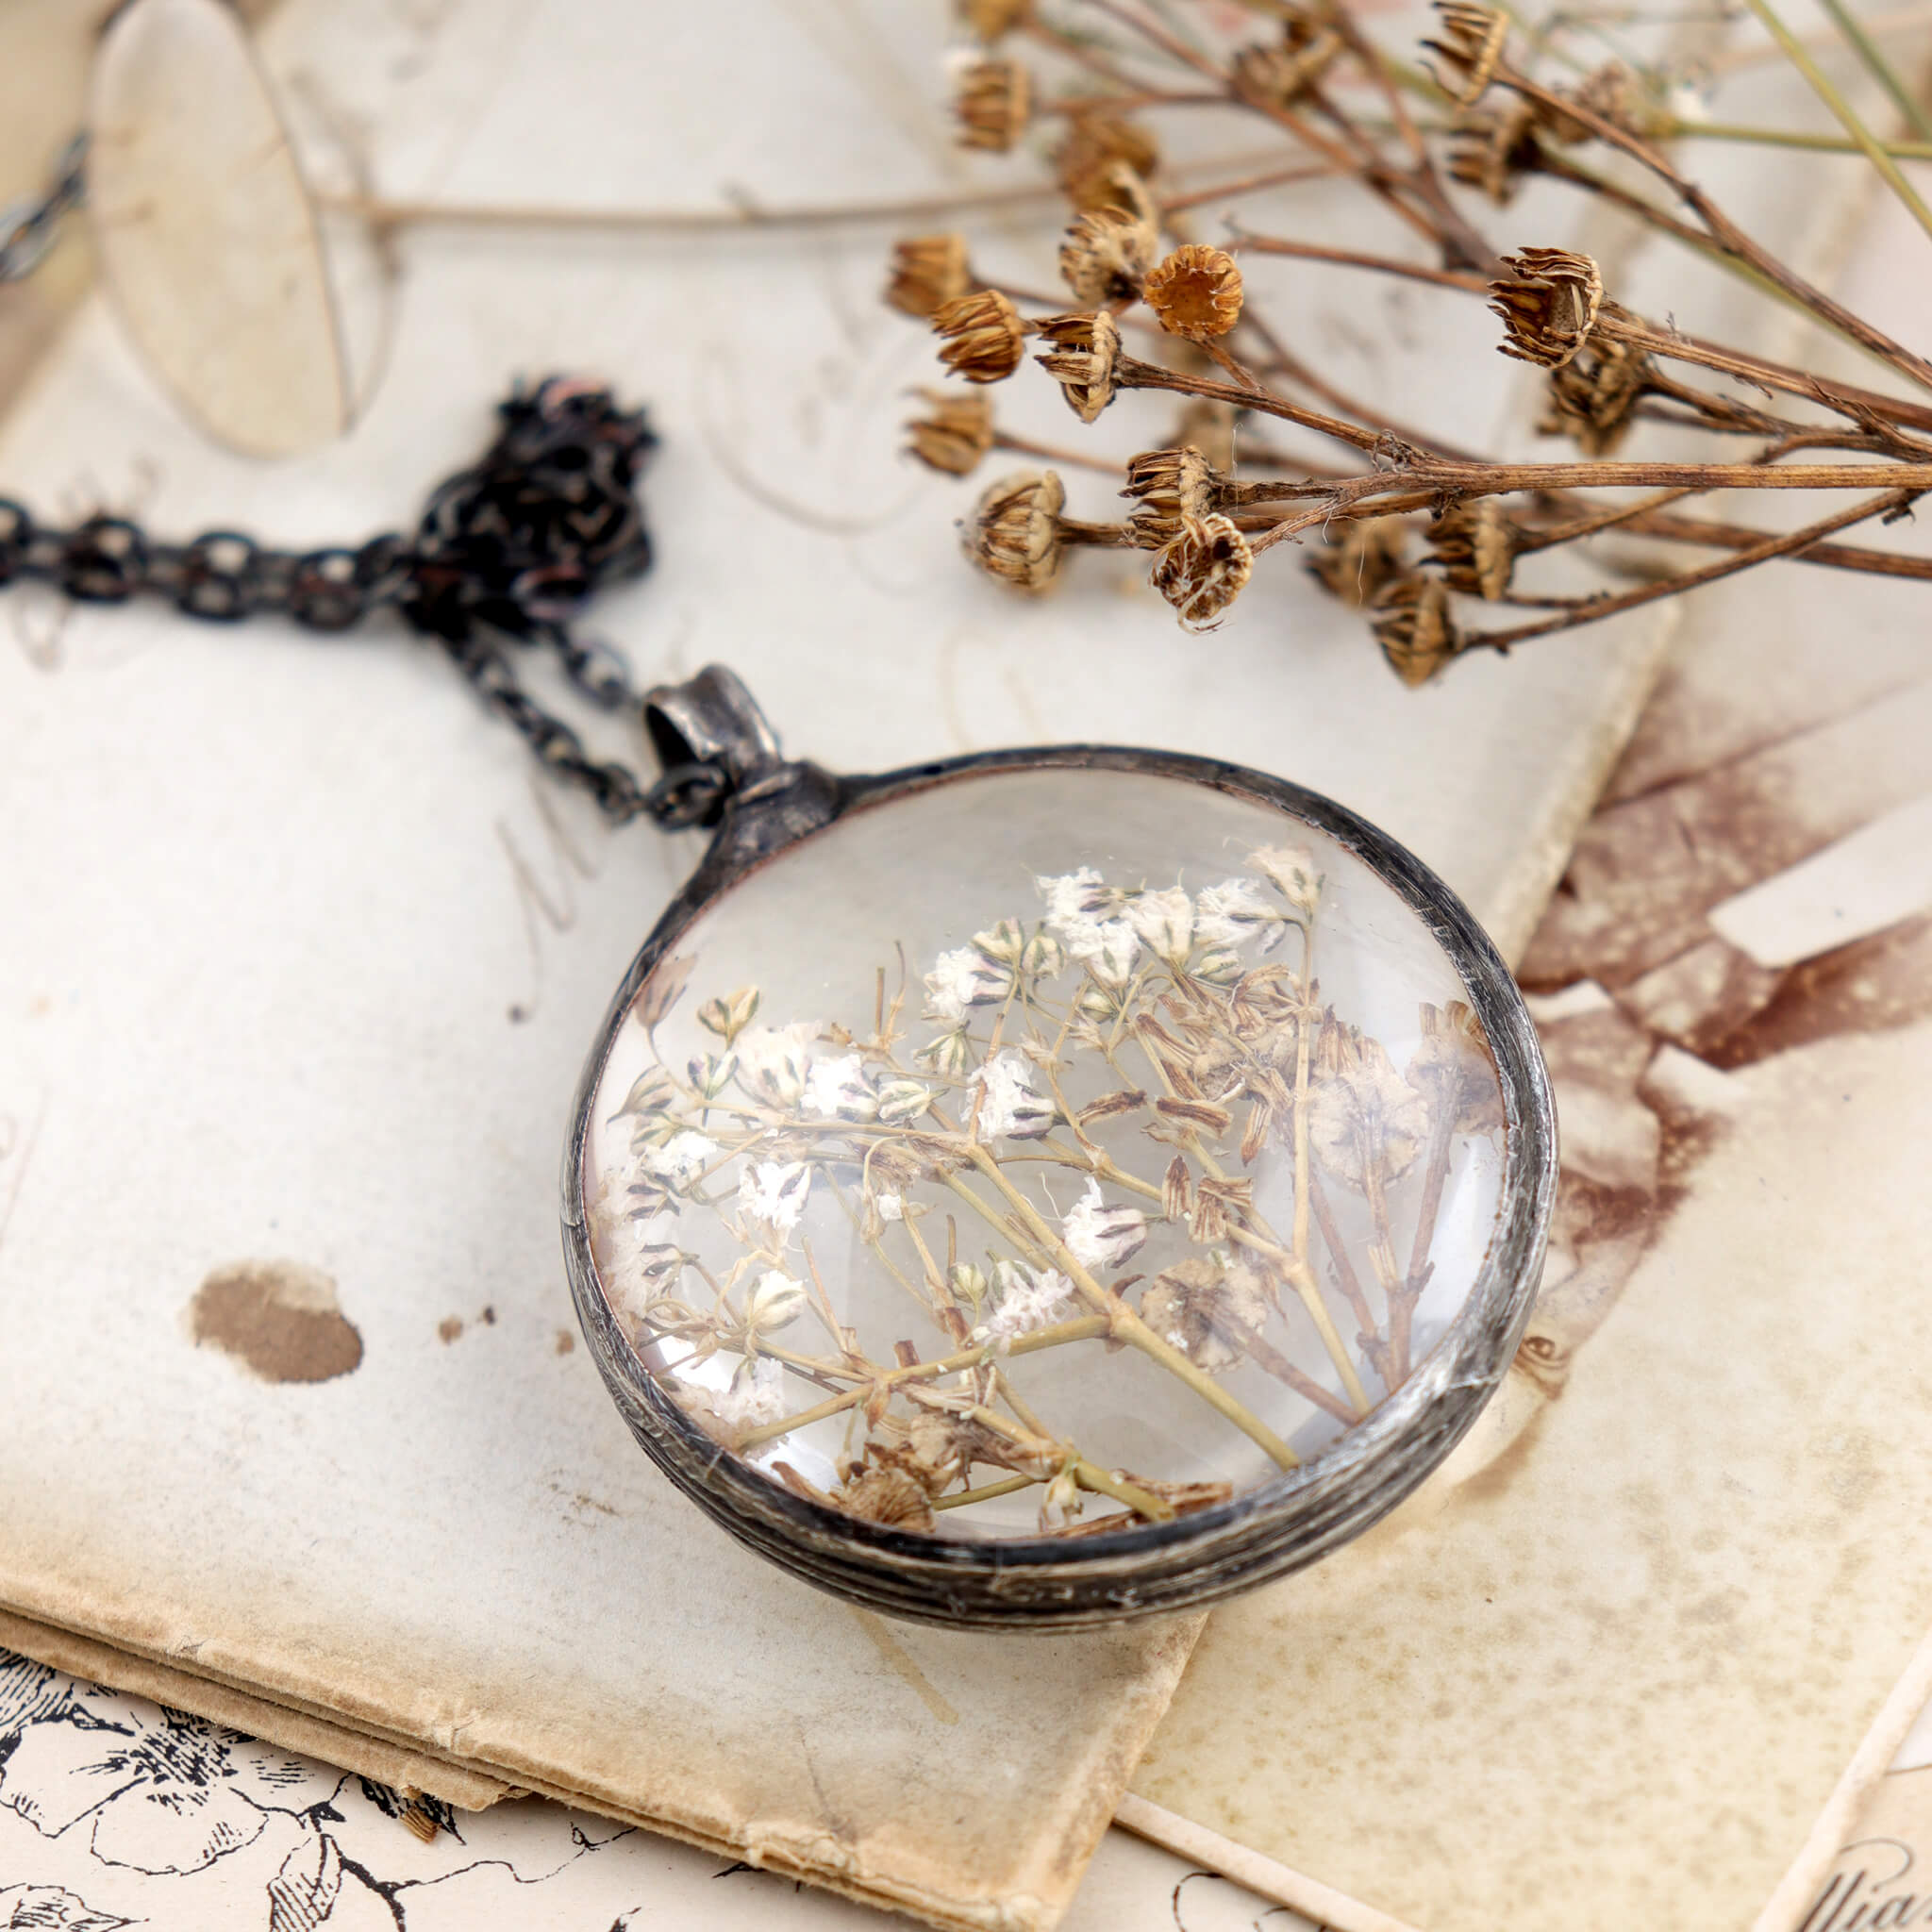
(505,555)
(27,227)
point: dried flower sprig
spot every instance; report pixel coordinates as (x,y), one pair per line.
(1131,267)
(1109,1097)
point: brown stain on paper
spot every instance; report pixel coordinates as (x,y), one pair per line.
(278,1319)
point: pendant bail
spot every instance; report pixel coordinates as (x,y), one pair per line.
(712,719)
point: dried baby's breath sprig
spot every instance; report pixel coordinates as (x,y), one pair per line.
(1415,627)
(992,103)
(1592,398)
(1084,358)
(1101,142)
(990,21)
(1476,545)
(1279,75)
(1169,487)
(981,336)
(953,434)
(927,271)
(1014,531)
(1197,293)
(1356,559)
(1107,255)
(1203,570)
(1547,300)
(1494,148)
(1471,46)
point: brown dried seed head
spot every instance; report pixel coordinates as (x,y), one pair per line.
(1476,544)
(1471,46)
(1170,484)
(1014,531)
(1455,1070)
(1175,1190)
(1593,396)
(1279,75)
(1615,94)
(993,104)
(1082,361)
(1548,300)
(1203,570)
(888,1496)
(991,20)
(1415,627)
(953,434)
(1098,142)
(1107,255)
(1494,149)
(1197,293)
(981,335)
(1358,558)
(927,271)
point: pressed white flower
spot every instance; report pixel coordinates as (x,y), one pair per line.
(681,1160)
(1009,1103)
(1072,897)
(1228,914)
(772,1062)
(892,1207)
(775,1193)
(1164,923)
(1084,914)
(838,1089)
(1001,943)
(756,1396)
(961,978)
(1026,1302)
(1098,1236)
(1290,869)
(774,1301)
(1114,951)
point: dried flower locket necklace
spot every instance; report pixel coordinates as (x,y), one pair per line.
(1029,1190)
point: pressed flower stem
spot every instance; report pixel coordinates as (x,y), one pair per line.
(1082,1328)
(1299,1275)
(1130,1328)
(1741,537)
(1090,1475)
(1351,1284)
(1792,137)
(1879,68)
(962,1499)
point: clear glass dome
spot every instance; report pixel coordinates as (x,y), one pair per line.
(1044,1152)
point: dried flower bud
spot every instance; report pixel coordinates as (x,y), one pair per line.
(1366,1122)
(1043,957)
(1107,255)
(1203,570)
(1195,293)
(1455,1070)
(1614,94)
(1548,301)
(1176,1192)
(949,1054)
(1470,47)
(1061,1503)
(1492,151)
(953,434)
(1084,358)
(729,1016)
(982,336)
(927,271)
(1014,531)
(1279,75)
(886,1497)
(902,1101)
(1171,485)
(1415,627)
(1476,544)
(1359,556)
(1593,396)
(1099,141)
(993,104)
(991,20)
(775,1302)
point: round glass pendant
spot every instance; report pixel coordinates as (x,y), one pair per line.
(1053,1185)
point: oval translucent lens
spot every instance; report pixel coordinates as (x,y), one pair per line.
(1045,1151)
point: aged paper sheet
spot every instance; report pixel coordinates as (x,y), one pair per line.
(299,962)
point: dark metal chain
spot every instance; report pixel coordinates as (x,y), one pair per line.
(27,227)
(505,555)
